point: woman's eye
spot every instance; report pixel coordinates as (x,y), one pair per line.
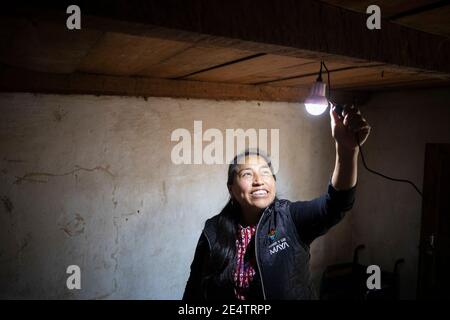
(246,174)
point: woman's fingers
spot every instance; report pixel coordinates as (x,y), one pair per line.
(358,125)
(362,134)
(352,118)
(355,123)
(364,129)
(350,109)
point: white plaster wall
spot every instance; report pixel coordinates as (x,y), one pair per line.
(88,180)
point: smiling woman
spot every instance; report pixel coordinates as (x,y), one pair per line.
(257,247)
(251,184)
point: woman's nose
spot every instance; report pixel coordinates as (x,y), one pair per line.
(257,180)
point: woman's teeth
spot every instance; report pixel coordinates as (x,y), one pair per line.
(259,193)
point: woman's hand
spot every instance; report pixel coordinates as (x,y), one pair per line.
(345,131)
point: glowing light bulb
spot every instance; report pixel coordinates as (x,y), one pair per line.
(316,109)
(317,103)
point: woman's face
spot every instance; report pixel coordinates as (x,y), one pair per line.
(254,185)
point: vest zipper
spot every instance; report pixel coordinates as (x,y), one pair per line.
(256,253)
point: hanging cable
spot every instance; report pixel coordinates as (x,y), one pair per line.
(382,175)
(340,109)
(322,63)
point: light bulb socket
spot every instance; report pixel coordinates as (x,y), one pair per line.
(318,91)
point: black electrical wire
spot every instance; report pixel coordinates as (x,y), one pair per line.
(359,144)
(382,175)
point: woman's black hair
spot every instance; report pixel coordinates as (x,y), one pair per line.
(223,253)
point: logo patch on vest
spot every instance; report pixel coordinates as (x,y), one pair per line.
(277,246)
(272,234)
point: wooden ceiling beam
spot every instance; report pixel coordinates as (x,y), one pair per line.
(19,80)
(306,28)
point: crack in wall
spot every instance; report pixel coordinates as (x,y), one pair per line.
(116,224)
(164,193)
(34,176)
(116,241)
(7,203)
(114,254)
(74,227)
(113,199)
(13,160)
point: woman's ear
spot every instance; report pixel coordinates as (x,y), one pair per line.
(229,189)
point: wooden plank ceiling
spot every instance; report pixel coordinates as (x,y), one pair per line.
(431,16)
(42,46)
